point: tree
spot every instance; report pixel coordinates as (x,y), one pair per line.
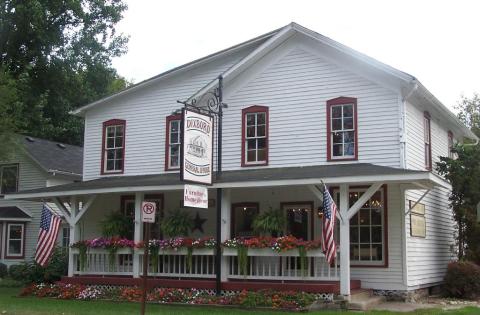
(464,175)
(55,55)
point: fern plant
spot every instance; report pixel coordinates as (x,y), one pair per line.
(177,223)
(116,224)
(269,222)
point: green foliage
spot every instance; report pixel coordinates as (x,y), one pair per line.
(10,283)
(54,57)
(463,280)
(469,112)
(177,223)
(33,272)
(302,253)
(242,254)
(3,270)
(269,222)
(117,225)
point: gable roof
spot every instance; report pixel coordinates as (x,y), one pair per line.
(409,86)
(54,157)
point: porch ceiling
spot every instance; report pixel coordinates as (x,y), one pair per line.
(354,174)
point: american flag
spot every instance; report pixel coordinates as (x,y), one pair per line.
(329,247)
(49,226)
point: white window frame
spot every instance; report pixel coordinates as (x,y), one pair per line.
(171,144)
(343,131)
(114,148)
(2,167)
(427,142)
(256,138)
(65,236)
(22,241)
(379,263)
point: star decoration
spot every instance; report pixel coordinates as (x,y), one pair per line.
(198,223)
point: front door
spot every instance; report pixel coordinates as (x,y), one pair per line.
(299,219)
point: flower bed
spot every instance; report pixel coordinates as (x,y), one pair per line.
(264,298)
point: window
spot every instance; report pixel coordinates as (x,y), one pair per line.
(427,139)
(368,237)
(15,240)
(255,136)
(243,215)
(65,237)
(113,151)
(172,143)
(128,210)
(450,145)
(342,129)
(8,178)
(418,222)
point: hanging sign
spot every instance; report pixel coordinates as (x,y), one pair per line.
(197,147)
(195,196)
(148,211)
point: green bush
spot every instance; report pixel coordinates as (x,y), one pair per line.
(463,280)
(3,270)
(177,223)
(33,272)
(10,283)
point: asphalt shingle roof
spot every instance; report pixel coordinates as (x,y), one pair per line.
(13,212)
(54,156)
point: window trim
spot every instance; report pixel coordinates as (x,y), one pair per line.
(342,100)
(167,141)
(426,117)
(385,263)
(7,240)
(450,144)
(285,204)
(113,122)
(250,110)
(232,213)
(1,175)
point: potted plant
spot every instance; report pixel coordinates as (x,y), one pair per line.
(177,223)
(117,225)
(270,222)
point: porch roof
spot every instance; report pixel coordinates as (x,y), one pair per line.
(358,173)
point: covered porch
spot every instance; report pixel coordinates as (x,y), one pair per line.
(369,232)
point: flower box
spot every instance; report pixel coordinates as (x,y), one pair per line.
(268,252)
(120,251)
(184,251)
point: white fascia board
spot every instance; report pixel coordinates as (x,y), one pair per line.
(405,178)
(79,111)
(256,54)
(15,219)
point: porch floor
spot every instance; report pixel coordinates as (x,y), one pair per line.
(233,285)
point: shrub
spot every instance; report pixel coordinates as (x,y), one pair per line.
(19,272)
(3,270)
(10,283)
(463,280)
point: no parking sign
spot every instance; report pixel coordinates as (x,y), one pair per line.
(148,211)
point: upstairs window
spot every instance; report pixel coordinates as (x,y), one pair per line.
(8,178)
(172,143)
(427,139)
(255,136)
(450,145)
(113,151)
(342,129)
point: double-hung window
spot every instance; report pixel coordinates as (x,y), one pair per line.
(427,139)
(15,240)
(342,129)
(113,151)
(255,136)
(8,178)
(172,143)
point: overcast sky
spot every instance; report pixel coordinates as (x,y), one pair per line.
(436,41)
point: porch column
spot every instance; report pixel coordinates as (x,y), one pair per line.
(138,232)
(74,233)
(344,243)
(225,228)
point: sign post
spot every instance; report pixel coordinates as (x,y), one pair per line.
(148,217)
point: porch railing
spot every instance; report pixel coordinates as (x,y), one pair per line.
(179,264)
(264,264)
(98,262)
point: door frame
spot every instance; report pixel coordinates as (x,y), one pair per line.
(311,233)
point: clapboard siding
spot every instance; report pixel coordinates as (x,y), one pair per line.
(296,87)
(30,177)
(428,257)
(145,112)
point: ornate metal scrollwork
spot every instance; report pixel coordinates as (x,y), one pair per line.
(209,101)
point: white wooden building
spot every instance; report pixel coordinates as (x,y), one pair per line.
(302,108)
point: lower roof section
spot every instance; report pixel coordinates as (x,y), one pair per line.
(358,173)
(13,213)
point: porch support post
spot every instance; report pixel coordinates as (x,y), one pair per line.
(344,243)
(138,232)
(225,229)
(74,233)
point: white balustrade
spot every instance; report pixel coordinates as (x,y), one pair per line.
(98,262)
(265,264)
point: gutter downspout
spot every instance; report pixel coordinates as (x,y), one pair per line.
(403,124)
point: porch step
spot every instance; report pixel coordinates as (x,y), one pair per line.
(363,300)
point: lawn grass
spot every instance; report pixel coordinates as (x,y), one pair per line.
(13,305)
